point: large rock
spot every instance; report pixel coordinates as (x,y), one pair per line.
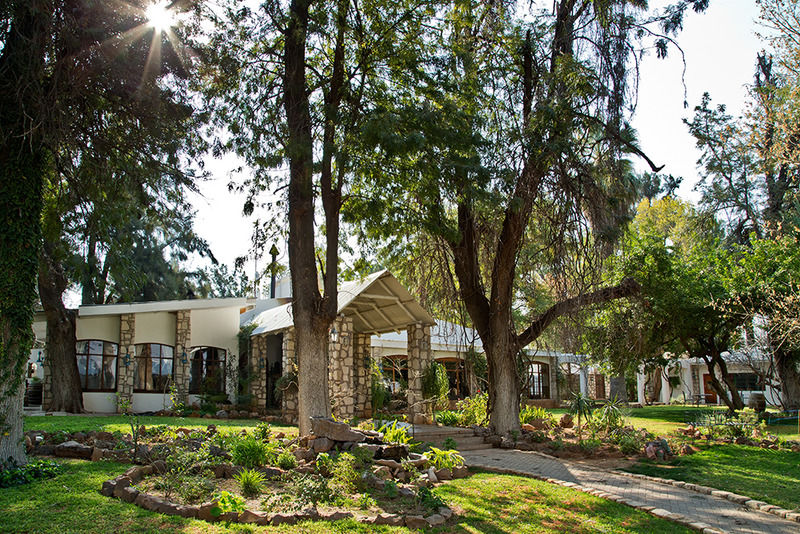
(258,518)
(416,522)
(565,421)
(73,449)
(328,428)
(322,444)
(392,452)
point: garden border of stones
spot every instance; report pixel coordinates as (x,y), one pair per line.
(122,488)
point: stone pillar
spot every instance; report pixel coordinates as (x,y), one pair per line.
(420,357)
(583,378)
(182,361)
(591,385)
(341,371)
(127,354)
(666,389)
(362,362)
(259,365)
(289,396)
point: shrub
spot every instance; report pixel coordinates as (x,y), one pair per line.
(251,481)
(262,431)
(250,452)
(13,475)
(395,434)
(473,410)
(428,499)
(449,444)
(590,445)
(286,460)
(363,456)
(610,415)
(380,394)
(310,490)
(345,474)
(195,488)
(390,489)
(227,502)
(324,463)
(447,418)
(531,413)
(444,459)
(365,501)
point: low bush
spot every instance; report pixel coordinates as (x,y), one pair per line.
(448,418)
(250,452)
(14,475)
(609,416)
(262,431)
(590,445)
(428,499)
(395,434)
(346,475)
(250,481)
(529,414)
(286,460)
(444,459)
(449,444)
(227,502)
(324,463)
(310,490)
(474,410)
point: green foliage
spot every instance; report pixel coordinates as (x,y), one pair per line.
(390,489)
(429,499)
(286,460)
(346,475)
(362,455)
(262,431)
(480,367)
(449,444)
(582,406)
(590,445)
(250,481)
(435,385)
(227,502)
(611,415)
(531,413)
(310,490)
(447,417)
(324,464)
(380,394)
(474,410)
(365,501)
(250,452)
(395,434)
(444,459)
(13,475)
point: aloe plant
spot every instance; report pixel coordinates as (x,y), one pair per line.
(582,406)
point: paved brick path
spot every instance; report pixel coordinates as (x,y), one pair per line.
(720,514)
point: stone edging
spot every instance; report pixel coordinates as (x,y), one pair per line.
(122,488)
(733,497)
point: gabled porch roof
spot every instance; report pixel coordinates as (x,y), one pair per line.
(376,304)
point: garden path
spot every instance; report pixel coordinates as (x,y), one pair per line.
(713,513)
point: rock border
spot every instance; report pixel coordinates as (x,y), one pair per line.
(122,488)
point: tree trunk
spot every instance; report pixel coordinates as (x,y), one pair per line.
(65,388)
(308,309)
(732,401)
(504,387)
(22,163)
(786,364)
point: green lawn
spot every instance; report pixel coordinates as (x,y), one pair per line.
(79,423)
(491,503)
(763,474)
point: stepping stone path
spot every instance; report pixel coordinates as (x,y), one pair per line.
(705,513)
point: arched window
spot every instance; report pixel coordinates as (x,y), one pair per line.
(459,388)
(207,371)
(97,364)
(395,371)
(538,380)
(153,370)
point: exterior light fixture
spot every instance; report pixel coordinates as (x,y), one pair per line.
(184,360)
(126,360)
(40,359)
(261,363)
(334,334)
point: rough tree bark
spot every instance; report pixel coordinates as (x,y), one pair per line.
(786,364)
(22,163)
(65,388)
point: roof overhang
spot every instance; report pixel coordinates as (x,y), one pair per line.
(162,306)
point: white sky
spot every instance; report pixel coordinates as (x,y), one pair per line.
(720,48)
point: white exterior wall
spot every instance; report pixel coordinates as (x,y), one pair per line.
(155,327)
(104,328)
(100,402)
(150,402)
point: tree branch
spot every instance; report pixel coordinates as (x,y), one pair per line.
(626,288)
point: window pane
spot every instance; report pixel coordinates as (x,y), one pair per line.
(166,367)
(82,370)
(95,347)
(155,350)
(109,373)
(82,347)
(110,348)
(93,375)
(166,351)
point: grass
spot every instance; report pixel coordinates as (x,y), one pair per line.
(491,503)
(763,474)
(111,423)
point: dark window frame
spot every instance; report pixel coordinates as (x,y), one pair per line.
(543,372)
(395,368)
(196,387)
(84,378)
(138,357)
(456,369)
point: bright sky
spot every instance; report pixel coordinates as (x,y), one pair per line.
(720,48)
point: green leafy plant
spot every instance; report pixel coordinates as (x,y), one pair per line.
(395,434)
(428,499)
(363,456)
(449,444)
(262,431)
(611,415)
(474,410)
(227,502)
(390,489)
(365,501)
(250,452)
(528,414)
(324,463)
(582,406)
(590,445)
(286,460)
(441,459)
(346,475)
(250,481)
(447,418)
(16,475)
(380,394)
(310,490)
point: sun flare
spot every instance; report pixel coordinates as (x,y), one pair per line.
(159,16)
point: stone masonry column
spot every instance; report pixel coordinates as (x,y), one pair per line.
(259,364)
(341,372)
(289,364)
(182,361)
(419,359)
(362,362)
(127,353)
